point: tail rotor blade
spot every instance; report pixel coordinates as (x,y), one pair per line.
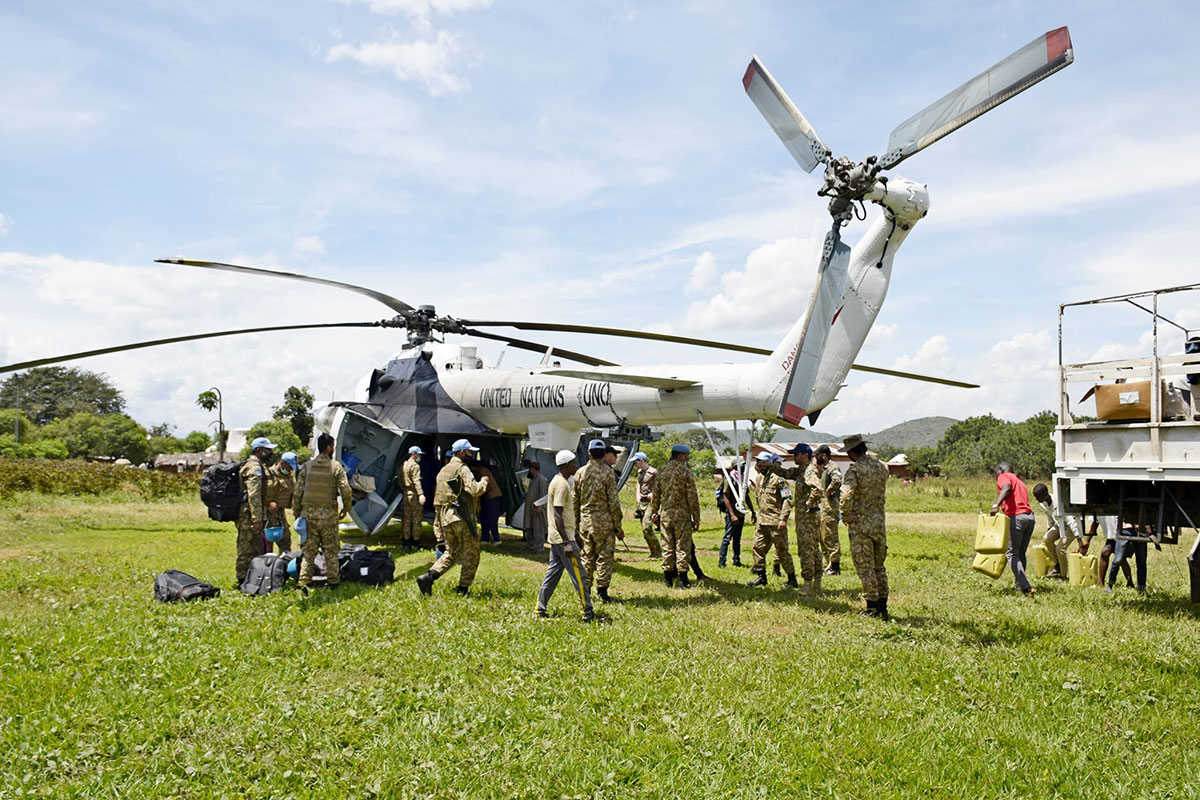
(1034,62)
(784,118)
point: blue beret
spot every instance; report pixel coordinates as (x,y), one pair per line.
(680,448)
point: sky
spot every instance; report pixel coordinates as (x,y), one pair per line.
(590,162)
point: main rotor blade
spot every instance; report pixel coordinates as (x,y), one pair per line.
(1034,62)
(603,331)
(784,118)
(175,339)
(913,376)
(393,303)
(667,337)
(523,344)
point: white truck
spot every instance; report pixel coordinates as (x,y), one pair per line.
(1137,453)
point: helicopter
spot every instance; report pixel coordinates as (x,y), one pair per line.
(432,392)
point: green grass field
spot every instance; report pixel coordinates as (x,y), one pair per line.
(716,691)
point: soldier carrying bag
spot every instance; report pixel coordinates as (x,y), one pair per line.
(173,585)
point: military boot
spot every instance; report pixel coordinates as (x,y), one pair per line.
(834,568)
(462,590)
(872,609)
(791,581)
(425,582)
(760,579)
(816,585)
(776,571)
(683,581)
(807,589)
(881,607)
(602,591)
(669,578)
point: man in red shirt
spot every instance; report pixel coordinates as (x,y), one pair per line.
(1013,500)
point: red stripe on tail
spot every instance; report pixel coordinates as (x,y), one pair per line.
(793,413)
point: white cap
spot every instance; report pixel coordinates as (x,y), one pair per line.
(564,457)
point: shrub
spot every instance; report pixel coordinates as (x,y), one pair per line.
(80,478)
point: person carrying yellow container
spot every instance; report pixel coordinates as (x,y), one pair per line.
(1061,530)
(1013,499)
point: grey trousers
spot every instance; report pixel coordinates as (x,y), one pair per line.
(560,561)
(1020,531)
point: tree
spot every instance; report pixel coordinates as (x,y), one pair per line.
(49,393)
(280,432)
(297,409)
(764,431)
(14,423)
(196,442)
(110,435)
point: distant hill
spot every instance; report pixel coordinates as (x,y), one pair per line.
(922,432)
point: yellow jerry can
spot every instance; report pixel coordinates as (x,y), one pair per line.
(990,564)
(1043,559)
(1083,570)
(991,534)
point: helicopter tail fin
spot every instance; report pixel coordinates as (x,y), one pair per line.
(793,366)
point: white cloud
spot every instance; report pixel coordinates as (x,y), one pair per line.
(428,61)
(1017,378)
(769,292)
(881,334)
(308,247)
(5,225)
(703,273)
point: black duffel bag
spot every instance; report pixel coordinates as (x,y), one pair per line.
(358,564)
(174,585)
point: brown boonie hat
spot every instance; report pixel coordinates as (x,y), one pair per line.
(852,442)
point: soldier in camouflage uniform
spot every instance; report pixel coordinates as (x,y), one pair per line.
(645,489)
(252,513)
(863,510)
(806,496)
(774,507)
(277,494)
(454,502)
(414,498)
(318,486)
(831,495)
(598,510)
(675,506)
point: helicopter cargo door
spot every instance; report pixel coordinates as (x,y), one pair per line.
(371,455)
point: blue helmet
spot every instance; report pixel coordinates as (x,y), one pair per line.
(274,534)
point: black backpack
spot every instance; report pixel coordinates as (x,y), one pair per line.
(174,585)
(221,492)
(721,500)
(267,573)
(358,564)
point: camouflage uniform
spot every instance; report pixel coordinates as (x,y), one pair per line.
(455,514)
(831,493)
(319,484)
(598,511)
(774,506)
(863,510)
(645,489)
(410,483)
(807,498)
(279,489)
(253,510)
(675,500)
